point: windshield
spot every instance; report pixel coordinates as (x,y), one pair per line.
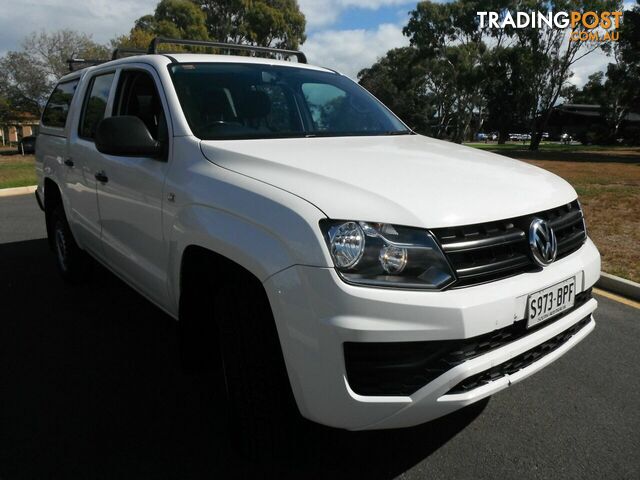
(235,100)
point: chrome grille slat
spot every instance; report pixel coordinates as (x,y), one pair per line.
(566,221)
(509,263)
(513,236)
(494,250)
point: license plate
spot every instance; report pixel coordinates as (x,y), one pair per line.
(551,301)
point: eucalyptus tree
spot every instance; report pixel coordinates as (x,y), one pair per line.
(28,75)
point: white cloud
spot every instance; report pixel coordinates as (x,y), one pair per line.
(102,19)
(349,51)
(594,62)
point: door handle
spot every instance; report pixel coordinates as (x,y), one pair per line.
(101,177)
(68,162)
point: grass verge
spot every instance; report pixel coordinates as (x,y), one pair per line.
(17,171)
(610,196)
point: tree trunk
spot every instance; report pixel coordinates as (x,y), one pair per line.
(503,135)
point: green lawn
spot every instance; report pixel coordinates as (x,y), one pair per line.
(544,147)
(17,171)
(559,152)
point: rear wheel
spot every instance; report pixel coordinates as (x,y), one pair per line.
(70,259)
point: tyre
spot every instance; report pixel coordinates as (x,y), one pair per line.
(71,260)
(257,385)
(252,372)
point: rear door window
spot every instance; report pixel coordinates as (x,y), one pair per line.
(95,105)
(57,109)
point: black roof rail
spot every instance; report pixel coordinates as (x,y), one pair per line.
(76,64)
(153,47)
(127,52)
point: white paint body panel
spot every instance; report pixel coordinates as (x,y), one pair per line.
(407,180)
(259,203)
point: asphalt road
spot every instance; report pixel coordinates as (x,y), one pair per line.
(90,388)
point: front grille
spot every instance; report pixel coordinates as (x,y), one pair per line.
(402,368)
(490,251)
(523,360)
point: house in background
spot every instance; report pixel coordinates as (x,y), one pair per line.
(20,125)
(580,120)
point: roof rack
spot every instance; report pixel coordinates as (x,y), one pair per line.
(76,64)
(153,47)
(127,52)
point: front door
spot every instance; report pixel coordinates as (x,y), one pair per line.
(130,191)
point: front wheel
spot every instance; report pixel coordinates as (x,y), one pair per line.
(70,259)
(256,379)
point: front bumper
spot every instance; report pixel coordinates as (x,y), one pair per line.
(316,313)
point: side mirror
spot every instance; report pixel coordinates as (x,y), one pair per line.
(126,136)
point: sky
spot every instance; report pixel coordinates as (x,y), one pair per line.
(346,35)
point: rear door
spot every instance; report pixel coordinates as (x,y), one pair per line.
(83,158)
(52,154)
(130,195)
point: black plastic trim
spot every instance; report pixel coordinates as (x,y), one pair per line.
(519,362)
(402,368)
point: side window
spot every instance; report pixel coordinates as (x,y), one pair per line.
(57,109)
(332,109)
(95,104)
(138,97)
(278,110)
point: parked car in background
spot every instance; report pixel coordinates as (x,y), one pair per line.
(309,243)
(27,144)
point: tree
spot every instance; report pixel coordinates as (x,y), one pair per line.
(448,39)
(623,76)
(553,55)
(510,103)
(268,23)
(27,76)
(172,19)
(398,81)
(616,91)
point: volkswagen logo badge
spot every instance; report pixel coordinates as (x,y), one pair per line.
(542,241)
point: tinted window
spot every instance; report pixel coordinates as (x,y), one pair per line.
(138,96)
(227,100)
(57,109)
(95,104)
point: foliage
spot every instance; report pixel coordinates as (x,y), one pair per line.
(451,52)
(616,90)
(27,76)
(171,19)
(474,78)
(269,23)
(508,92)
(398,80)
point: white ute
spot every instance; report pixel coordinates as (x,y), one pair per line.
(308,240)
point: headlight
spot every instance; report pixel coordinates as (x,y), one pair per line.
(386,255)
